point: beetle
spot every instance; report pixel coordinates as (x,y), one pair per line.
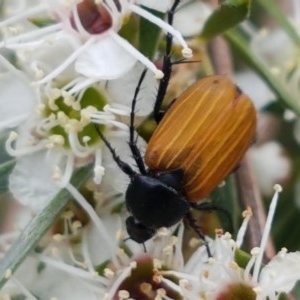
(199,141)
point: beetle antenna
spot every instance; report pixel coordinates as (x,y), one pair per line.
(193,224)
(166,69)
(144,245)
(132,140)
(121,164)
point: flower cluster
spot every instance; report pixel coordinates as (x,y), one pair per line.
(76,75)
(121,271)
(69,71)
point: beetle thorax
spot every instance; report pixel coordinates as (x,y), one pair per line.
(153,203)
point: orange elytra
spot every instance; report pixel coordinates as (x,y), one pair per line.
(205,133)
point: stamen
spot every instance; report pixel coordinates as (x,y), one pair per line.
(81,85)
(65,178)
(267,229)
(78,263)
(186,51)
(70,269)
(66,63)
(23,151)
(76,147)
(85,251)
(125,273)
(111,6)
(31,35)
(123,294)
(136,54)
(183,275)
(117,109)
(172,285)
(23,15)
(100,117)
(255,252)
(78,24)
(98,169)
(55,140)
(241,233)
(92,214)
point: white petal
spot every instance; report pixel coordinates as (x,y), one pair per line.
(280,268)
(55,284)
(161,6)
(190,17)
(104,60)
(17,100)
(121,90)
(31,180)
(94,241)
(114,178)
(48,56)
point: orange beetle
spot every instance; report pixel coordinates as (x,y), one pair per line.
(198,142)
(205,133)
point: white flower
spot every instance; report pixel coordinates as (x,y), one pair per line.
(99,268)
(16,99)
(270,165)
(196,12)
(283,65)
(56,132)
(91,27)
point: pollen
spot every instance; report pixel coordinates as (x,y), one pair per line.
(145,288)
(247,213)
(76,225)
(255,251)
(278,188)
(109,273)
(123,294)
(57,139)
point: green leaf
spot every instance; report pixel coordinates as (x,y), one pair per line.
(241,258)
(149,34)
(5,169)
(226,16)
(38,226)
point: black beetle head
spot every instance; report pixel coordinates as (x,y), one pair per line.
(137,231)
(153,205)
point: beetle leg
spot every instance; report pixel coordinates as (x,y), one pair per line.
(208,206)
(193,224)
(167,68)
(132,141)
(121,164)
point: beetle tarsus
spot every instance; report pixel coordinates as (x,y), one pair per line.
(121,164)
(208,206)
(193,224)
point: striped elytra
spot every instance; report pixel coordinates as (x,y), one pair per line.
(205,133)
